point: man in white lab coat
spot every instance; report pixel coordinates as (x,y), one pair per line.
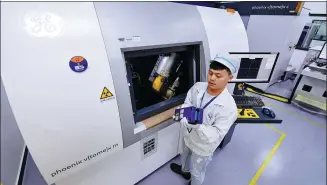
(201,140)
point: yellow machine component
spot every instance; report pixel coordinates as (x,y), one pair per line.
(311,102)
(157,83)
(275,97)
(170,92)
(247,113)
(240,86)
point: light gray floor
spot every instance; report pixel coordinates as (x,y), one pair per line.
(283,88)
(300,159)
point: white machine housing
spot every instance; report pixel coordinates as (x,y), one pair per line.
(73,136)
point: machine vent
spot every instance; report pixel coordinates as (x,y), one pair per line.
(307,88)
(149,146)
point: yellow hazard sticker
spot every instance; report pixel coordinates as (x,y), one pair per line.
(247,113)
(106,95)
(240,86)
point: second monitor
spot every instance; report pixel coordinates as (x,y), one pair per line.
(255,67)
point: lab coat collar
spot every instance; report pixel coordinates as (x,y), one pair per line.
(221,100)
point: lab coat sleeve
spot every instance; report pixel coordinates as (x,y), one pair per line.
(188,100)
(217,131)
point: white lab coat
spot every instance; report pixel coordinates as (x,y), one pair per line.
(218,117)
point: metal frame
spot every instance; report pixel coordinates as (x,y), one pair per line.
(321,51)
(161,106)
(317,14)
(22,167)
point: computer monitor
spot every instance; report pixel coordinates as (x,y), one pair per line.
(254,67)
(322,54)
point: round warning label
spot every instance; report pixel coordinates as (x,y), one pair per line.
(78,64)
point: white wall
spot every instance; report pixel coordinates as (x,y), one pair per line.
(297,59)
(315,7)
(273,33)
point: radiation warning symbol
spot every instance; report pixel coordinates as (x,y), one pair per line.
(106,94)
(247,113)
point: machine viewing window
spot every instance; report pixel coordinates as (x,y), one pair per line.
(160,78)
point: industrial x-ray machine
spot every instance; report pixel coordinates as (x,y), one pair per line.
(91,84)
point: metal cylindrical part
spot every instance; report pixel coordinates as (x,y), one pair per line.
(165,64)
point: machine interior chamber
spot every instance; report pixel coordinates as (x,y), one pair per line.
(160,78)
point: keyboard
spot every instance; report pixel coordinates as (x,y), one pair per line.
(248,101)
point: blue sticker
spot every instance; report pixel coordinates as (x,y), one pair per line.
(78,64)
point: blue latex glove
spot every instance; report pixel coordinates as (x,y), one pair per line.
(187,125)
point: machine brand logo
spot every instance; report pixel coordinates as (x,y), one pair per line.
(44,24)
(106,95)
(80,162)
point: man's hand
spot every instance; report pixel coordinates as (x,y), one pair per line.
(187,125)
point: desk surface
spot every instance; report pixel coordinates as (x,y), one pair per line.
(261,120)
(313,74)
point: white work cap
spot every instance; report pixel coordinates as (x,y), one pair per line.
(227,60)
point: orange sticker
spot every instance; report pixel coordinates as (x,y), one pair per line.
(77,59)
(230,10)
(78,64)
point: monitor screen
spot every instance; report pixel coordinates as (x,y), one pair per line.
(322,54)
(255,67)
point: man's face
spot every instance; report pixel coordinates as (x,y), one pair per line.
(218,79)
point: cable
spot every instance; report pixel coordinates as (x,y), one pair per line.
(136,75)
(306,8)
